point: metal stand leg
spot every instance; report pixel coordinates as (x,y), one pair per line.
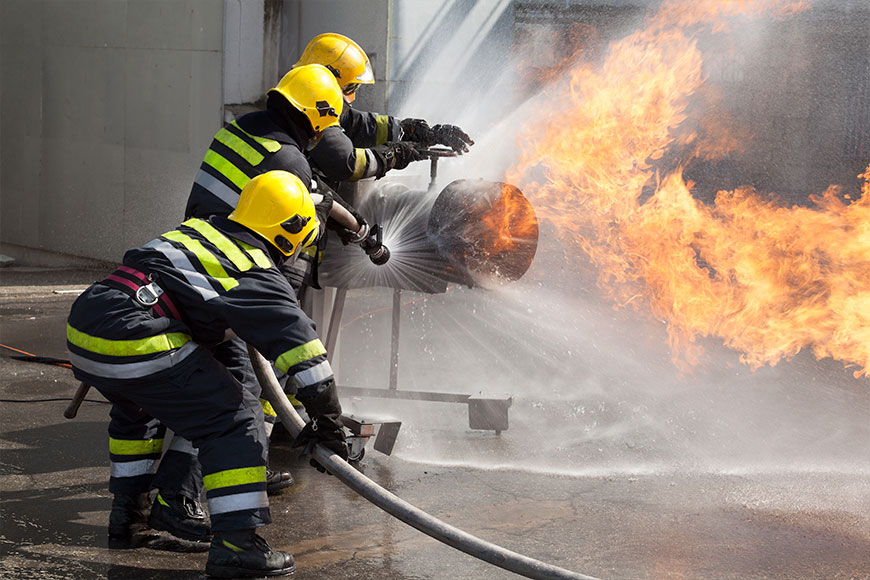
(394,343)
(335,320)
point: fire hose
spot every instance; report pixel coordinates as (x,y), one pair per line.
(369,238)
(394,505)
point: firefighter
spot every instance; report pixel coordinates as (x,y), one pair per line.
(299,108)
(306,101)
(145,335)
(367,144)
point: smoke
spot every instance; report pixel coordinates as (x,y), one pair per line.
(594,388)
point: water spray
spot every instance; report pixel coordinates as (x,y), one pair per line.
(369,238)
(373,246)
(474,232)
(396,506)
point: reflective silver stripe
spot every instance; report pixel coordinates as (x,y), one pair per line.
(371,165)
(133,468)
(238,501)
(133,370)
(217,188)
(183,445)
(316,374)
(199,282)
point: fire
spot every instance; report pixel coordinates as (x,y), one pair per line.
(767,280)
(509,222)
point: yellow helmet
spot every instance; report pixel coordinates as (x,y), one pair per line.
(277,206)
(341,55)
(313,90)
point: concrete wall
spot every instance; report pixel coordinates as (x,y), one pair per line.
(366,21)
(106,107)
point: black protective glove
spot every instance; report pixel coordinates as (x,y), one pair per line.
(326,431)
(353,237)
(453,137)
(418,131)
(348,236)
(396,155)
(325,426)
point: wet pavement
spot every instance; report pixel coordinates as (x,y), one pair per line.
(611,524)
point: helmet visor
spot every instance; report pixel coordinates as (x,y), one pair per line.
(366,77)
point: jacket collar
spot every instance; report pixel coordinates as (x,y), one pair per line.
(239,232)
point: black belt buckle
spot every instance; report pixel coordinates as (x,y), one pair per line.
(149,294)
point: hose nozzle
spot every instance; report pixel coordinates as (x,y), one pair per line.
(374,246)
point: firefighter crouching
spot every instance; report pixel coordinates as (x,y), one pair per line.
(143,337)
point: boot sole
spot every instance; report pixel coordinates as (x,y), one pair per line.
(235,572)
(166,542)
(157,524)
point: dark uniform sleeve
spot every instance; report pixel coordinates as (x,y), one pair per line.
(369,129)
(343,153)
(336,157)
(292,160)
(262,310)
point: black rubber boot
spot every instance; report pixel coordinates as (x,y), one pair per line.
(128,517)
(180,516)
(277,480)
(244,554)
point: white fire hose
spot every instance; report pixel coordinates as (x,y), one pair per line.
(394,505)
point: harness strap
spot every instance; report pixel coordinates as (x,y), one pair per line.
(144,290)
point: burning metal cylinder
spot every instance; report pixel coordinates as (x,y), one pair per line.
(484,229)
(474,232)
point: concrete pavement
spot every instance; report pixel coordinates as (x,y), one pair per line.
(54,501)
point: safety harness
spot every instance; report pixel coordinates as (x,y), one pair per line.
(143,289)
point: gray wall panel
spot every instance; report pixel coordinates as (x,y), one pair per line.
(107,108)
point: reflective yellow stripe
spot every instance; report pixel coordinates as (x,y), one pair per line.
(383,132)
(246,152)
(223,243)
(227,169)
(208,260)
(259,256)
(301,353)
(150,345)
(359,167)
(269,145)
(294,401)
(311,251)
(135,446)
(231,477)
(268,409)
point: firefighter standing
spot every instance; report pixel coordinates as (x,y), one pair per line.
(305,101)
(144,338)
(367,144)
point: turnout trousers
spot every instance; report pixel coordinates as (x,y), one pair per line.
(201,401)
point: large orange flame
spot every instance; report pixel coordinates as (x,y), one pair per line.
(767,280)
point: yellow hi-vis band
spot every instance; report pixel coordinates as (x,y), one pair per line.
(150,345)
(360,165)
(268,409)
(231,477)
(208,260)
(259,256)
(230,171)
(269,145)
(299,354)
(135,446)
(382,122)
(223,243)
(244,150)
